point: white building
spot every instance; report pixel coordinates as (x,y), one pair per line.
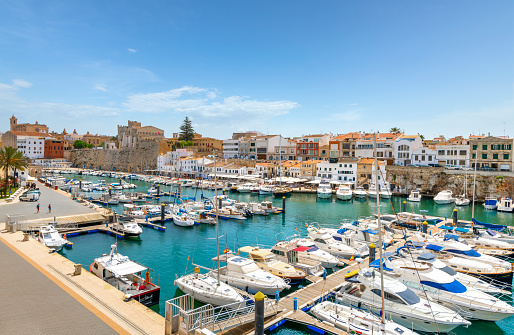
(424,157)
(53,163)
(404,147)
(342,171)
(385,145)
(230,148)
(170,161)
(32,146)
(453,154)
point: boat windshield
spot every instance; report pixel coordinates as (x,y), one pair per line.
(470,252)
(449,270)
(453,287)
(410,297)
(249,268)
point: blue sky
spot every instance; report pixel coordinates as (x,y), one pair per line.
(288,67)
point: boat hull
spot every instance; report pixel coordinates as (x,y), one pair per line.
(148,298)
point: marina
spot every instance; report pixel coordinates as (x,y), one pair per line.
(237,233)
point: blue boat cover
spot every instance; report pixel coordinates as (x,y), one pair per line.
(376,264)
(453,287)
(462,230)
(337,238)
(492,233)
(371,231)
(314,248)
(414,244)
(446,227)
(489,225)
(341,231)
(426,256)
(451,237)
(434,247)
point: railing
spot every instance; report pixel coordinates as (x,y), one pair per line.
(180,318)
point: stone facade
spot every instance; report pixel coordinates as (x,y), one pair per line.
(36,127)
(129,136)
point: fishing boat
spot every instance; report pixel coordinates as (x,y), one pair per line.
(363,290)
(127,228)
(127,276)
(444,197)
(268,261)
(324,190)
(50,238)
(414,196)
(505,205)
(344,192)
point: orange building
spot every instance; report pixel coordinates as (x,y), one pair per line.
(54,148)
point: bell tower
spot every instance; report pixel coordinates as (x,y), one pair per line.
(14,122)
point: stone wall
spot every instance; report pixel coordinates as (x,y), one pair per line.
(136,159)
(433,180)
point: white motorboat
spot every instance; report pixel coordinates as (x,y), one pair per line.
(414,196)
(402,305)
(225,200)
(505,205)
(123,198)
(245,188)
(423,278)
(344,192)
(127,228)
(309,250)
(385,191)
(182,220)
(244,274)
(126,275)
(287,251)
(208,290)
(201,216)
(490,202)
(372,191)
(359,192)
(355,321)
(444,197)
(266,189)
(323,240)
(365,233)
(113,201)
(461,200)
(50,237)
(324,190)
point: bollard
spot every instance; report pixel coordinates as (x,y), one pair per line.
(277,296)
(283,204)
(110,191)
(259,314)
(80,184)
(220,203)
(25,237)
(455,217)
(223,191)
(324,274)
(372,248)
(162,212)
(146,218)
(158,190)
(78,269)
(404,207)
(107,224)
(295,303)
(424,227)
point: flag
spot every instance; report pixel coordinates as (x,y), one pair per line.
(351,259)
(226,251)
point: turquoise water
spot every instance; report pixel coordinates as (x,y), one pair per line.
(171,253)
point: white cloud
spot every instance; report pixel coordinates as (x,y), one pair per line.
(132,50)
(21,83)
(100,88)
(344,116)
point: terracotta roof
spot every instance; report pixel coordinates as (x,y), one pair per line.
(346,136)
(29,133)
(370,161)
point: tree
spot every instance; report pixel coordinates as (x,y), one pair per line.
(12,158)
(187,132)
(78,144)
(394,130)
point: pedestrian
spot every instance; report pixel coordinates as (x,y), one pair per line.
(37,208)
(49,208)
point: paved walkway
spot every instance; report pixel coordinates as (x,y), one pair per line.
(62,205)
(31,303)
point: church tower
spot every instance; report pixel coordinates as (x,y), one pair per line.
(14,122)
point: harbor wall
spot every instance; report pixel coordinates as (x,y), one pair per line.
(135,159)
(431,180)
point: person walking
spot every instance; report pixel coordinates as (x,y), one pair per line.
(37,208)
(49,208)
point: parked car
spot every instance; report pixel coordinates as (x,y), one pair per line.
(487,168)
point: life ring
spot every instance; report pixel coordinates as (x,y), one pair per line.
(365,226)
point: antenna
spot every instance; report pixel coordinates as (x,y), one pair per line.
(504,123)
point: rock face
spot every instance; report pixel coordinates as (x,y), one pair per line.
(139,158)
(431,180)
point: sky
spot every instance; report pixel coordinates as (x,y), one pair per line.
(279,67)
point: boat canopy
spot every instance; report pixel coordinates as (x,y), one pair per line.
(488,225)
(426,256)
(414,244)
(462,230)
(446,227)
(434,247)
(453,287)
(126,268)
(341,231)
(371,231)
(300,249)
(376,264)
(451,237)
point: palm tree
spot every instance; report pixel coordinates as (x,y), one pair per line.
(394,130)
(12,158)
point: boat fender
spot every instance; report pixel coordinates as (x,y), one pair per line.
(351,273)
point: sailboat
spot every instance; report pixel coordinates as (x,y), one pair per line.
(462,200)
(281,191)
(209,289)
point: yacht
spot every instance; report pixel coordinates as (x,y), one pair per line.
(208,290)
(365,233)
(308,249)
(266,189)
(127,228)
(183,220)
(414,196)
(268,261)
(244,274)
(490,202)
(444,197)
(201,216)
(372,191)
(50,237)
(347,249)
(402,305)
(287,251)
(505,205)
(385,191)
(356,321)
(461,200)
(344,192)
(359,192)
(324,190)
(423,279)
(245,188)
(282,191)
(126,275)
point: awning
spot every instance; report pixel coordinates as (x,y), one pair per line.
(301,249)
(446,227)
(313,182)
(126,268)
(462,230)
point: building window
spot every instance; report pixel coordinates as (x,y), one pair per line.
(505,156)
(484,156)
(474,156)
(474,146)
(484,146)
(495,156)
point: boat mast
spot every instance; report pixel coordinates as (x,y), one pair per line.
(379,227)
(280,159)
(216,220)
(474,185)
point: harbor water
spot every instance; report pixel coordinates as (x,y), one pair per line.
(171,253)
